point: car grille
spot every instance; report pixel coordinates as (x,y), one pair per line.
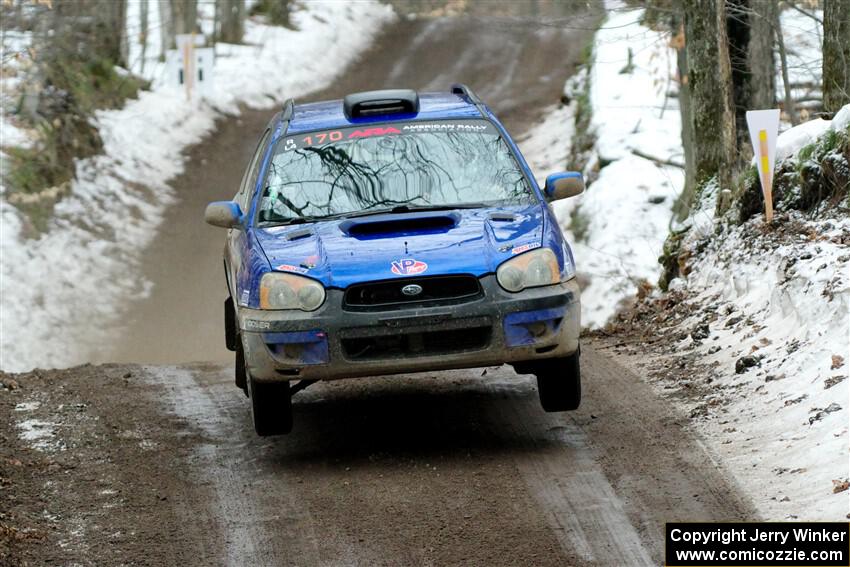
(435,290)
(411,344)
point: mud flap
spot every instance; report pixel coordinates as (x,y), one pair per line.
(230,336)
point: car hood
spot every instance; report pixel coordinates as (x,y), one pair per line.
(343,252)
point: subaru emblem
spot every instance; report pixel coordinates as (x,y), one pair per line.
(411,290)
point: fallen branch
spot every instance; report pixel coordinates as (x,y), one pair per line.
(659,161)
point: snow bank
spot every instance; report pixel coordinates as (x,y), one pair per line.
(784,430)
(619,226)
(775,306)
(624,216)
(59,293)
(778,301)
(792,140)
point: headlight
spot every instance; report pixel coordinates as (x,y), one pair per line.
(532,269)
(287,291)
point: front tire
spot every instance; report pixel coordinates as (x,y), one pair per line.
(559,383)
(271,407)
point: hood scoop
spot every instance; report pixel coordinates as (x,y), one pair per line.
(381,226)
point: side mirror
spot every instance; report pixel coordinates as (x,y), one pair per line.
(564,185)
(225,214)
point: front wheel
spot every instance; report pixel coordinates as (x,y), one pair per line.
(271,407)
(559,383)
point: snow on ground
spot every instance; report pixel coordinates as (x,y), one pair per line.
(769,313)
(618,226)
(784,433)
(782,425)
(59,293)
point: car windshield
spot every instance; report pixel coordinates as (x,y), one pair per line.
(411,165)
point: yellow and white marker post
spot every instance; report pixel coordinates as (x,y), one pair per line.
(764,128)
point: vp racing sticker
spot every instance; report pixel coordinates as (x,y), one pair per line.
(408,267)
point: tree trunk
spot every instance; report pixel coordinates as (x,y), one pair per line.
(184,18)
(166,30)
(760,59)
(143,32)
(749,26)
(738,32)
(709,80)
(786,83)
(116,30)
(681,207)
(836,54)
(231,17)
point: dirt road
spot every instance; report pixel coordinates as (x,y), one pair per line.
(159,464)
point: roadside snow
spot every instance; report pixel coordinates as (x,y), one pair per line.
(59,293)
(771,314)
(779,422)
(618,227)
(784,432)
(789,142)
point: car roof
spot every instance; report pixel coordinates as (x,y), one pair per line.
(330,114)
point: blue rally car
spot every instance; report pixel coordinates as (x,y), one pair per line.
(391,232)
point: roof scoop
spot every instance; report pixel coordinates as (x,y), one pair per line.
(374,103)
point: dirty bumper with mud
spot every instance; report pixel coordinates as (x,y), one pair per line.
(348,337)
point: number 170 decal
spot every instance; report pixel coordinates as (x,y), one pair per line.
(322,137)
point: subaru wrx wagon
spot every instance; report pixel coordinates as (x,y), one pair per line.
(395,232)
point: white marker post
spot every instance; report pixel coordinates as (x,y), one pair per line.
(191,66)
(764,128)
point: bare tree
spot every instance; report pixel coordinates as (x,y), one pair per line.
(749,26)
(231,20)
(786,82)
(760,59)
(183,18)
(143,31)
(682,206)
(836,54)
(709,80)
(166,36)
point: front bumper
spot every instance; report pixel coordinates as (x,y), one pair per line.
(330,343)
